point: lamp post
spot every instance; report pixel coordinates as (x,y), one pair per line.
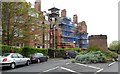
(43,38)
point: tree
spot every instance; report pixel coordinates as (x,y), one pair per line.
(18,18)
(14,19)
(114,46)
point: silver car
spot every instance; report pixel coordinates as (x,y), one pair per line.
(13,59)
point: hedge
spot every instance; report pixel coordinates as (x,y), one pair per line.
(59,53)
(7,49)
(29,50)
(24,51)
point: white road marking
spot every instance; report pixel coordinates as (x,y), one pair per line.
(111,64)
(103,68)
(81,64)
(67,69)
(51,69)
(67,63)
(88,66)
(100,70)
(94,67)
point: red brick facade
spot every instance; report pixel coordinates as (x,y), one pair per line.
(75,19)
(63,13)
(98,40)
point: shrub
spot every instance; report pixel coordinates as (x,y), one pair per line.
(28,50)
(90,57)
(7,49)
(110,55)
(42,50)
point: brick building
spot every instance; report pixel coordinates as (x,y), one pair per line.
(64,34)
(81,35)
(42,35)
(99,41)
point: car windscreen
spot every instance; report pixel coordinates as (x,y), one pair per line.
(39,55)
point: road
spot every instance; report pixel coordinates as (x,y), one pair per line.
(64,66)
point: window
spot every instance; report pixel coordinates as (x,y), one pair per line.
(20,56)
(18,44)
(45,37)
(51,41)
(22,44)
(36,37)
(48,36)
(84,37)
(14,56)
(38,46)
(45,46)
(39,55)
(16,32)
(48,45)
(20,33)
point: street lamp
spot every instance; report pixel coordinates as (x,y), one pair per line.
(43,40)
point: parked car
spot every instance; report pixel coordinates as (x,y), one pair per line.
(38,57)
(13,60)
(118,51)
(68,54)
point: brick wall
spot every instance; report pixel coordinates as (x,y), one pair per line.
(98,40)
(63,13)
(75,19)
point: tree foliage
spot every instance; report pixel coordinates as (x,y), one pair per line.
(114,46)
(18,20)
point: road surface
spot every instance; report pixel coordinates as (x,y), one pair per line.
(64,66)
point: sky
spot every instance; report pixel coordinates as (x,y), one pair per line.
(101,16)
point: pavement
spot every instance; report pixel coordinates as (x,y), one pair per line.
(64,66)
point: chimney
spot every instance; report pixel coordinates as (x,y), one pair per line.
(63,13)
(38,5)
(84,26)
(75,19)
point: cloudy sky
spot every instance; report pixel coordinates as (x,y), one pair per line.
(101,16)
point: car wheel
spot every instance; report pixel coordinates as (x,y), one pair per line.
(12,65)
(46,60)
(28,63)
(38,60)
